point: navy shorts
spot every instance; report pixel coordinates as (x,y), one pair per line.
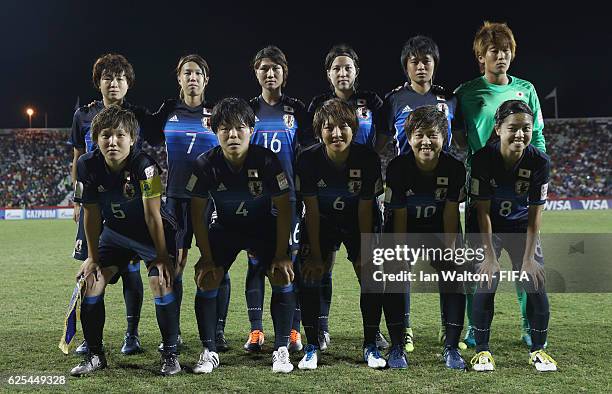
(331,237)
(180,209)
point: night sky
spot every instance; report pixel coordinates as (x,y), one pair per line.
(48,48)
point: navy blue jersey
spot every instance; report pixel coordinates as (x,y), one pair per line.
(243,199)
(119,194)
(338,190)
(424,195)
(401,101)
(80,135)
(283,128)
(511,191)
(367,106)
(187,133)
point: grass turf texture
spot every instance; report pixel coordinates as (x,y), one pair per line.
(37,273)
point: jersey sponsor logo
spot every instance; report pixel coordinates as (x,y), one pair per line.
(475,187)
(363,113)
(283,183)
(256,188)
(443,107)
(252,173)
(150,171)
(442,180)
(221,187)
(256,118)
(544,192)
(289,120)
(523,173)
(407,109)
(192,181)
(354,186)
(355,173)
(493,183)
(288,109)
(101,189)
(321,184)
(441,193)
(409,193)
(388,195)
(521,187)
(78,190)
(206,122)
(174,118)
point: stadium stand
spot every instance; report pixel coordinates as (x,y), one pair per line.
(35,163)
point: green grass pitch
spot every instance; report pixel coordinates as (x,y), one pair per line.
(36,282)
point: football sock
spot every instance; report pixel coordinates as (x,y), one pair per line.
(254,292)
(92,322)
(223,299)
(132,294)
(282,307)
(482,316)
(371,311)
(177,289)
(393,305)
(406,305)
(326,297)
(310,296)
(206,316)
(538,311)
(454,311)
(166,311)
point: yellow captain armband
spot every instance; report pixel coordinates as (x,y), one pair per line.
(152,187)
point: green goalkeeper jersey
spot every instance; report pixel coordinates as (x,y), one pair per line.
(479,99)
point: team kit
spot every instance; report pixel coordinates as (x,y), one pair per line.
(289,184)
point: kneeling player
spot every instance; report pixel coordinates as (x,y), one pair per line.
(339,182)
(251,194)
(509,184)
(123,187)
(424,188)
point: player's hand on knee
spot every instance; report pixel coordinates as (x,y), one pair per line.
(207,273)
(166,270)
(89,267)
(489,267)
(313,269)
(281,270)
(535,272)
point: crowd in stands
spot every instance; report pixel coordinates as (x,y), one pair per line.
(35,163)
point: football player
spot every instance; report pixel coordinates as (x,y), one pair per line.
(509,186)
(281,125)
(339,182)
(251,194)
(112,75)
(495,49)
(424,188)
(122,186)
(342,70)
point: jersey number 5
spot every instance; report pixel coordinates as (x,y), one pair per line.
(117,211)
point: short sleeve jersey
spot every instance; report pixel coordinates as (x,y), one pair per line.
(243,199)
(511,191)
(283,129)
(339,189)
(187,133)
(119,194)
(479,100)
(424,195)
(367,106)
(400,102)
(80,135)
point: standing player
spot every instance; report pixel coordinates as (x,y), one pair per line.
(248,185)
(113,75)
(342,68)
(494,48)
(419,59)
(280,125)
(509,185)
(424,188)
(184,126)
(123,187)
(339,182)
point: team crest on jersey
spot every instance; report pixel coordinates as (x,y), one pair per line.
(443,107)
(441,193)
(289,109)
(129,191)
(363,113)
(206,122)
(521,187)
(354,186)
(289,120)
(256,188)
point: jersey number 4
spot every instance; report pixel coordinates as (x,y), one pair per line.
(242,210)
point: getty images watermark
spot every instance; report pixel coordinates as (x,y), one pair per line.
(573,263)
